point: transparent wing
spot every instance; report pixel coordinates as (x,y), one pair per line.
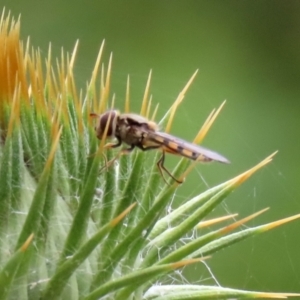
(177,146)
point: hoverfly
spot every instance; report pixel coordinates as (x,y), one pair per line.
(137,131)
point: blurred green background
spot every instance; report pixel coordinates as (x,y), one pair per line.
(247,52)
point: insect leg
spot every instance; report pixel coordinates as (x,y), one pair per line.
(126,150)
(107,163)
(160,163)
(161,167)
(122,152)
(142,147)
(112,145)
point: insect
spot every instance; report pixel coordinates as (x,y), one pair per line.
(137,131)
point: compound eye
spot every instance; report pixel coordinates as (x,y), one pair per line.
(109,119)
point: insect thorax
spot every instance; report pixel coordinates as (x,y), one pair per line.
(129,134)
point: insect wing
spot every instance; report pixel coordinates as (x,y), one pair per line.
(177,146)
